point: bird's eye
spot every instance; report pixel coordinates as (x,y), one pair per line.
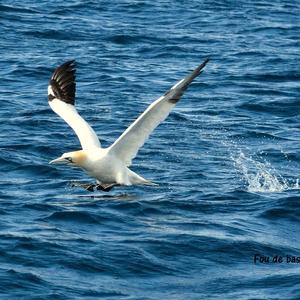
(69,159)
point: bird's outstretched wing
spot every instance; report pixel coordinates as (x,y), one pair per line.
(61,97)
(128,144)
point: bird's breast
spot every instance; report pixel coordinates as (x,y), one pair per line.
(106,169)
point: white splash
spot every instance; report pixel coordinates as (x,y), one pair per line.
(261,176)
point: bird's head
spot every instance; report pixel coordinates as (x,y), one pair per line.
(75,158)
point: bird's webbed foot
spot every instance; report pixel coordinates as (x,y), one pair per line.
(105,187)
(87,186)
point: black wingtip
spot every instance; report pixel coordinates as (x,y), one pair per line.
(176,92)
(62,83)
(196,72)
(206,60)
(202,65)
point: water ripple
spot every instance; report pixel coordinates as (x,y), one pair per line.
(226,159)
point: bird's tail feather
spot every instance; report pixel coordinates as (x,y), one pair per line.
(137,179)
(150,183)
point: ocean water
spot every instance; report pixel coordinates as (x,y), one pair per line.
(224,221)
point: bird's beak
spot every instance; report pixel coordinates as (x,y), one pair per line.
(59,160)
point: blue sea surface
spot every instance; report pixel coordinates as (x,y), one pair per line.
(227,158)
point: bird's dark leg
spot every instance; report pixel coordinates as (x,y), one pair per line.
(90,187)
(105,187)
(87,186)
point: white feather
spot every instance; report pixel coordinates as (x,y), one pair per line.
(128,144)
(134,137)
(87,136)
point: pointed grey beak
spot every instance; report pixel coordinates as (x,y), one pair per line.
(59,160)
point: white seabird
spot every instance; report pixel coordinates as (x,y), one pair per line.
(109,166)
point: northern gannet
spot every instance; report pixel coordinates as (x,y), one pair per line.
(109,166)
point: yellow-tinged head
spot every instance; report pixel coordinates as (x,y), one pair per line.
(76,158)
